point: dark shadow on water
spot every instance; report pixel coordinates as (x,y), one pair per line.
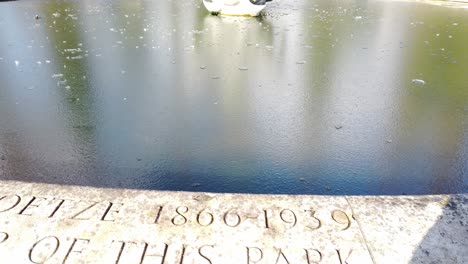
(447,240)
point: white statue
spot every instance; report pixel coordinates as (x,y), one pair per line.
(235,7)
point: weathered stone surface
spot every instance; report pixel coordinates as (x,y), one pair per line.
(42,223)
(412,229)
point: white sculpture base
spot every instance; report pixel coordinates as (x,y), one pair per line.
(233,7)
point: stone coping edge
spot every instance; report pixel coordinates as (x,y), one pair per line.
(47,223)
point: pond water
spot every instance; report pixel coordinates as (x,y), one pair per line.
(315,97)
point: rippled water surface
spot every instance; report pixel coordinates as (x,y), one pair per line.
(316,97)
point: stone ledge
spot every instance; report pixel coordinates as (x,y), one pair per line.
(43,223)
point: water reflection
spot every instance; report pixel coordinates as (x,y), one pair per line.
(315,97)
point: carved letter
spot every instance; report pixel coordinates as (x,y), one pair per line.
(182,254)
(259,255)
(341,218)
(158,215)
(3,237)
(340,258)
(201,254)
(265,212)
(209,216)
(103,218)
(84,210)
(30,204)
(62,201)
(312,214)
(72,250)
(180,211)
(292,219)
(163,256)
(49,246)
(232,213)
(313,260)
(281,254)
(14,204)
(122,247)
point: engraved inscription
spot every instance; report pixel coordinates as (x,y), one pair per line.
(281,258)
(165,231)
(231,218)
(289,217)
(158,214)
(180,219)
(275,218)
(143,252)
(337,220)
(205,218)
(59,205)
(342,257)
(110,210)
(157,255)
(9,202)
(313,256)
(254,255)
(305,255)
(35,202)
(79,215)
(3,237)
(77,247)
(315,223)
(341,218)
(204,252)
(44,249)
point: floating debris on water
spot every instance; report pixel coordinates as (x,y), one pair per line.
(243,68)
(203,67)
(357,17)
(338,127)
(72,51)
(388,141)
(215,77)
(60,83)
(300,62)
(16,63)
(418,81)
(57,75)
